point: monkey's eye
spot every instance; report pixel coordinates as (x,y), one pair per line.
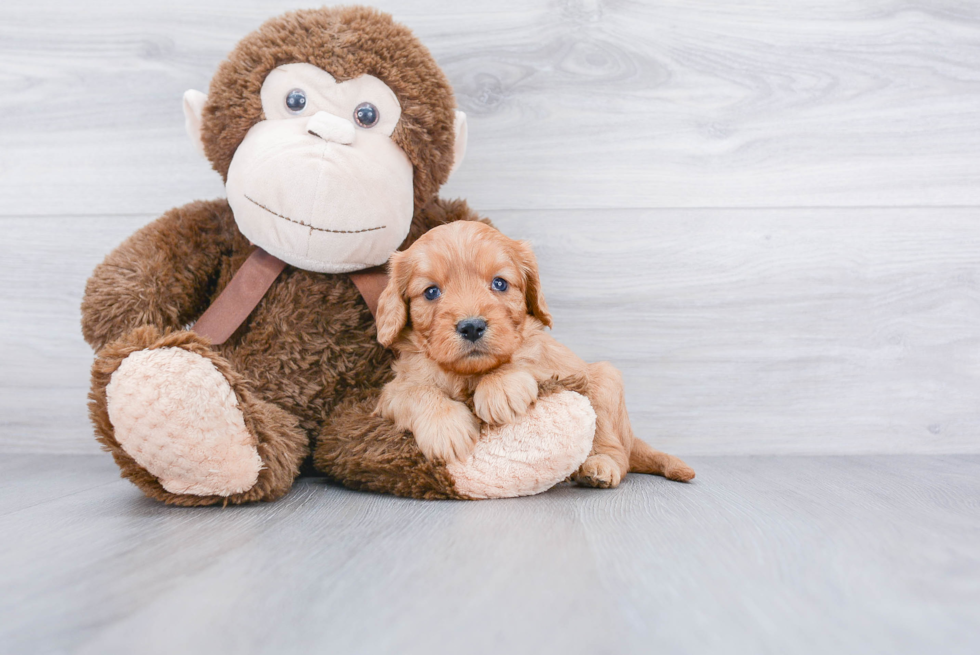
(366,115)
(432,293)
(499,284)
(296,100)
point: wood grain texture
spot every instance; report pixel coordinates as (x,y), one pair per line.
(45,361)
(777,331)
(782,331)
(859,555)
(577,103)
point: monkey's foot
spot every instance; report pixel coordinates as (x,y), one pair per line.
(176,415)
(538,451)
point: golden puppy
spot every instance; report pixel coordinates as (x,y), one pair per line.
(464,310)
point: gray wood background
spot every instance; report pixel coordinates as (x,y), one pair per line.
(767,214)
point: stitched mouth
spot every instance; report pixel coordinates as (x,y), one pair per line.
(312,227)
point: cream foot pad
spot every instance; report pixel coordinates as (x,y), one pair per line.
(534,454)
(177,416)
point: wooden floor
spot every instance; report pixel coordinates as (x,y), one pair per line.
(872,554)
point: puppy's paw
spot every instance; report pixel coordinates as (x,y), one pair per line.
(501,399)
(449,433)
(599,471)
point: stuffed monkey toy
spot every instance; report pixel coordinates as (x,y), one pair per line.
(235,339)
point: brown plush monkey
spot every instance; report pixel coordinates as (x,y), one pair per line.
(333,130)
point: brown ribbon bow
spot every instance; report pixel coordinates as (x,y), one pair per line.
(250,284)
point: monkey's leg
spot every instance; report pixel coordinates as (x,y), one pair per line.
(541,449)
(364,451)
(186,428)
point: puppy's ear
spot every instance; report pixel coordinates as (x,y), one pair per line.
(393,305)
(536,306)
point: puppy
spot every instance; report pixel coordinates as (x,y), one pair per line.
(464,310)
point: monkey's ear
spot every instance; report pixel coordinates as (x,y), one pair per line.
(536,306)
(392,305)
(193,115)
(459,145)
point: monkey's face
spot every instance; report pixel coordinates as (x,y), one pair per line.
(319,182)
(333,128)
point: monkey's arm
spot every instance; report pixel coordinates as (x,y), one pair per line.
(162,275)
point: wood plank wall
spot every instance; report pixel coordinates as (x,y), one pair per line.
(767,214)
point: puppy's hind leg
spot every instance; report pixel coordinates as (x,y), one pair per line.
(609,460)
(616,450)
(644,459)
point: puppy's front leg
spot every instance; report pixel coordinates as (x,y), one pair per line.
(504,395)
(443,428)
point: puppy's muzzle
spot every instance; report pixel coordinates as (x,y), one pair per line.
(471,329)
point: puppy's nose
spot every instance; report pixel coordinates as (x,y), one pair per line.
(471,329)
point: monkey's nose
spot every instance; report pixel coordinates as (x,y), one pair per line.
(331,128)
(471,329)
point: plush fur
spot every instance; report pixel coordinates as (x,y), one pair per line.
(346,42)
(446,384)
(299,365)
(534,457)
(173,411)
(280,441)
(305,369)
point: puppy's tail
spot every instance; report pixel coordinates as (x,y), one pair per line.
(644,459)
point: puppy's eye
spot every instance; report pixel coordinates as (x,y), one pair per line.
(432,293)
(366,115)
(499,284)
(296,100)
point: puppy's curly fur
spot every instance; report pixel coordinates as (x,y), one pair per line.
(465,312)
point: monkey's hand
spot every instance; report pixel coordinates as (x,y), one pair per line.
(504,396)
